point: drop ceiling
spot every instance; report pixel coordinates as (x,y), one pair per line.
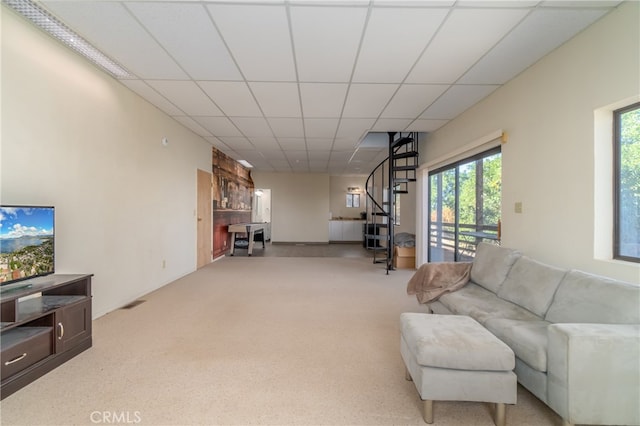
(295,86)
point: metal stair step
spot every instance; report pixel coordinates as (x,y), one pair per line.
(379,225)
(408,154)
(376,237)
(402,141)
(404,168)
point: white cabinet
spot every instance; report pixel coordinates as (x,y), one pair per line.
(345,230)
(352,230)
(335,230)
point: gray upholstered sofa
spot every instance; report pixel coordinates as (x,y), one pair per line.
(576,336)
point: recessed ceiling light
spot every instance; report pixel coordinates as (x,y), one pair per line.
(245,163)
(53,26)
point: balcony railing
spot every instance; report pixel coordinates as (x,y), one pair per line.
(445,247)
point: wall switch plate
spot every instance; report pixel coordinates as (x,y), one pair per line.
(518,207)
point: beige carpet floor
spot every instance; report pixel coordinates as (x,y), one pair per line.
(253,341)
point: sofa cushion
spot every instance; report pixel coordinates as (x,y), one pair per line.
(527,339)
(491,265)
(586,298)
(481,305)
(531,284)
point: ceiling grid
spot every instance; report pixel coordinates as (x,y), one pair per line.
(299,85)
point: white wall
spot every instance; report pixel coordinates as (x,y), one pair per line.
(338,196)
(549,162)
(408,211)
(75,138)
(299,206)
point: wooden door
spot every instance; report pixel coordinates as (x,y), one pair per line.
(205,235)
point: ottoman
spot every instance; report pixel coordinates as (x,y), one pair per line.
(454,358)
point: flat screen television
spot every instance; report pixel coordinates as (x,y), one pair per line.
(26,242)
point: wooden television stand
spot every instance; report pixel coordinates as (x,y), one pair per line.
(45,322)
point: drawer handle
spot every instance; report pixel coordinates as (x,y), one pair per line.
(16,359)
(61,334)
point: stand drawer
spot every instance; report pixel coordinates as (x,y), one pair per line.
(24,346)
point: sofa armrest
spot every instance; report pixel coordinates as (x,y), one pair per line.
(594,373)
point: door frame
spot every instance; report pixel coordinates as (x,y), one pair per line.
(204,219)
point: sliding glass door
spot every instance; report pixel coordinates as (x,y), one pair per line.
(464,206)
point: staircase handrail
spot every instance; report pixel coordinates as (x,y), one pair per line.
(366,185)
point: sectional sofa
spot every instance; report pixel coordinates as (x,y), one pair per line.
(576,336)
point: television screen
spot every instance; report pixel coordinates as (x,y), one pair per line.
(26,242)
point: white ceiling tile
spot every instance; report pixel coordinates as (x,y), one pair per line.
(237,142)
(265,143)
(541,32)
(319,144)
(251,155)
(322,100)
(391,124)
(298,160)
(218,126)
(320,127)
(176,26)
(345,144)
(273,154)
(412,99)
(281,165)
(498,3)
(252,126)
(456,100)
(318,166)
(261,164)
(144,90)
(233,98)
(258,38)
(296,155)
(366,155)
(319,154)
(425,125)
(413,3)
(393,41)
(292,143)
(217,143)
(287,127)
(187,96)
(329,2)
(367,100)
(470,33)
(277,99)
(354,128)
(189,123)
(340,156)
(110,27)
(581,3)
(326,41)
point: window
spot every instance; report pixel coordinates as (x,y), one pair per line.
(464,206)
(353,200)
(626,135)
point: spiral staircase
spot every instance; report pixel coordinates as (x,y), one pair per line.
(389,178)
